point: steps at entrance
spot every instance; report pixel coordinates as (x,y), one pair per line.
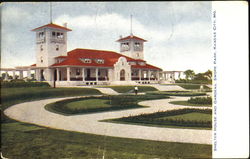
(108,91)
(123,83)
(168,87)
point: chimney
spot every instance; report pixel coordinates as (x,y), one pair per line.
(65,25)
(120,36)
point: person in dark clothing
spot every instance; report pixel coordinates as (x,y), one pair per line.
(136,90)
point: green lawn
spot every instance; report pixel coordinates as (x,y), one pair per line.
(99,104)
(186,103)
(190,116)
(130,89)
(20,140)
(88,104)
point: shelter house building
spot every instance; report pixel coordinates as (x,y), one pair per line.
(55,65)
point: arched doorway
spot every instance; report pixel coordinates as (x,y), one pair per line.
(42,75)
(55,75)
(122,75)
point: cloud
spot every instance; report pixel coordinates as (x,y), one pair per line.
(116,23)
(181,44)
(14,15)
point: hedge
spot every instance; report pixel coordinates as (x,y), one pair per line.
(193,81)
(200,100)
(21,83)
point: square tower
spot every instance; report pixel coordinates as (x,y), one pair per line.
(132,46)
(51,41)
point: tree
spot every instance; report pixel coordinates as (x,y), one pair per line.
(201,77)
(208,74)
(189,74)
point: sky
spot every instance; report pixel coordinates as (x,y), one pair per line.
(178,34)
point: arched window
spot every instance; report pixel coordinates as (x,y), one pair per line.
(122,75)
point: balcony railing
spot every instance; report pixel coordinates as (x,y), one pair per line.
(40,40)
(55,40)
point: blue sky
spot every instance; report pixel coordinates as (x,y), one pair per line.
(178,33)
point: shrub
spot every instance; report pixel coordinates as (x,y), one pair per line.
(194,81)
(200,100)
(21,83)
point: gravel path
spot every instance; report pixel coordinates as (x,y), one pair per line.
(34,112)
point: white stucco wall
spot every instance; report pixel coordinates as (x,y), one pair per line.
(122,64)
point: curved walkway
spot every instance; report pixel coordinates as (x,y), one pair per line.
(34,112)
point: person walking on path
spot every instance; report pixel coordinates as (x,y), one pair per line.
(136,90)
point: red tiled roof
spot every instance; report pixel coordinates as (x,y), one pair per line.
(61,57)
(33,65)
(147,66)
(110,58)
(51,25)
(131,37)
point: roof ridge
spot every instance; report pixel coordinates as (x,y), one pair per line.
(52,25)
(103,51)
(131,37)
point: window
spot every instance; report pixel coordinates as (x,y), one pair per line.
(41,35)
(137,46)
(132,63)
(85,60)
(100,61)
(57,47)
(78,72)
(41,59)
(142,63)
(125,46)
(59,35)
(53,34)
(41,47)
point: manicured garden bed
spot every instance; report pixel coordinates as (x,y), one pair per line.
(186,103)
(98,104)
(195,101)
(181,118)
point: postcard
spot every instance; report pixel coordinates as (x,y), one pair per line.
(124,80)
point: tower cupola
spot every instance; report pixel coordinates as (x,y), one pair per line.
(51,41)
(132,46)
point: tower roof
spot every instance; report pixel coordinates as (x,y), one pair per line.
(131,37)
(51,25)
